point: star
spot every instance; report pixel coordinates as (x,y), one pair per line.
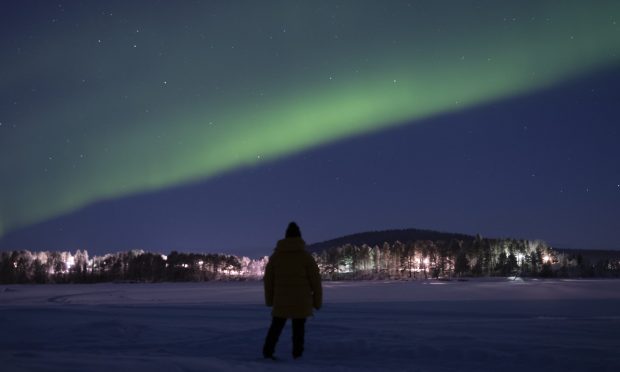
(301,113)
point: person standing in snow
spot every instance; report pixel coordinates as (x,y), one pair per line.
(293,288)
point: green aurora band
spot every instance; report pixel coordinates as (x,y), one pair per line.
(157,95)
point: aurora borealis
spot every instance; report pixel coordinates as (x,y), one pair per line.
(106,100)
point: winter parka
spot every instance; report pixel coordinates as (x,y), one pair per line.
(292,281)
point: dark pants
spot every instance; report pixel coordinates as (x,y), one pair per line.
(277,324)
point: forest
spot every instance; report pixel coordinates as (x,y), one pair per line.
(419,259)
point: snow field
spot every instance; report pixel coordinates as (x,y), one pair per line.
(482,325)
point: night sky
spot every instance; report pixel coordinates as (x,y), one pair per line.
(207,126)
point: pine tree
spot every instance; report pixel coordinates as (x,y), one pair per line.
(461,264)
(501,262)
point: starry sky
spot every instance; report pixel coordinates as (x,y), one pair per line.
(208,125)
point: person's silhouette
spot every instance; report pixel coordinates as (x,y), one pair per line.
(293,287)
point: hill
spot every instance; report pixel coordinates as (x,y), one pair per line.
(390,236)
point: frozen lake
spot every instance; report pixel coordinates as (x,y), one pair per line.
(554,325)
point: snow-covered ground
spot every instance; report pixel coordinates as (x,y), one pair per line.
(495,325)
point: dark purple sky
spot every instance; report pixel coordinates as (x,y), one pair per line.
(208,126)
(543,165)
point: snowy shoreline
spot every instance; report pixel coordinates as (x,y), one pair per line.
(250,292)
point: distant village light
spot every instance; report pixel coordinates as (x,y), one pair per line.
(390,261)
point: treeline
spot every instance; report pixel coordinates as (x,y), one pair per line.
(133,266)
(475,257)
(418,259)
